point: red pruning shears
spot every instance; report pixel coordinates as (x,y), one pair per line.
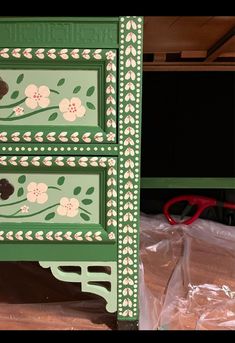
(200,202)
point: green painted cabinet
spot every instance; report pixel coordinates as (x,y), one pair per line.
(70,109)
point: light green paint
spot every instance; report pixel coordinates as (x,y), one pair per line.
(71,182)
(50,78)
(86,277)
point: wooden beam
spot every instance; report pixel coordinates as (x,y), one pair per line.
(194,54)
(216,66)
(220,47)
(159,57)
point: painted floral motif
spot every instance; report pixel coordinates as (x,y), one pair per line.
(24,209)
(37,96)
(68,207)
(72,109)
(37,192)
(18,110)
(111,235)
(6,189)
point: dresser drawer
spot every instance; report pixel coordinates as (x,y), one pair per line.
(57,95)
(58,199)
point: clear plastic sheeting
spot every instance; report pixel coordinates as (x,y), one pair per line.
(189,273)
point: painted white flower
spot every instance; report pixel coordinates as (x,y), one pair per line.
(131,24)
(37,96)
(72,109)
(27,53)
(4,53)
(75,53)
(51,53)
(111,235)
(18,110)
(68,207)
(110,55)
(111,136)
(37,192)
(24,209)
(3,136)
(16,52)
(40,53)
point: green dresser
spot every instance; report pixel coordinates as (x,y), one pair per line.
(70,127)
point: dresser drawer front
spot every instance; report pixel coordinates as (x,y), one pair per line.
(58,95)
(69,199)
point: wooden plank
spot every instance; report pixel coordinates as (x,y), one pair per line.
(159,57)
(221,47)
(221,66)
(189,182)
(194,54)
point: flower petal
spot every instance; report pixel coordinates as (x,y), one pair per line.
(74,202)
(30,90)
(69,116)
(31,197)
(81,111)
(44,102)
(72,213)
(44,91)
(31,103)
(31,186)
(62,211)
(64,201)
(64,105)
(42,198)
(76,101)
(42,187)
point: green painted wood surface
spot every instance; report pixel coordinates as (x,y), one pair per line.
(200,182)
(86,32)
(57,252)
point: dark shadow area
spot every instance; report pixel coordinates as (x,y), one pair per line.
(188,125)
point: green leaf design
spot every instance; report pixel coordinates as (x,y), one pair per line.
(90,91)
(49,216)
(20,78)
(87,201)
(76,89)
(20,192)
(14,95)
(90,191)
(53,116)
(85,217)
(77,190)
(22,179)
(61,82)
(90,105)
(60,180)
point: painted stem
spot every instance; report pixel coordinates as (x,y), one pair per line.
(15,104)
(53,187)
(29,215)
(29,114)
(14,203)
(11,114)
(54,91)
(84,210)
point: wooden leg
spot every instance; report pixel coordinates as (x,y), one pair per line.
(127,325)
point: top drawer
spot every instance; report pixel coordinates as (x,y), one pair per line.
(57,95)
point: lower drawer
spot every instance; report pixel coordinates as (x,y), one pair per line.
(58,199)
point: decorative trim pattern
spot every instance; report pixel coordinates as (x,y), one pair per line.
(45,162)
(53,236)
(84,135)
(34,149)
(131,31)
(87,277)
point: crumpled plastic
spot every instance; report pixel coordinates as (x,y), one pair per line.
(192,273)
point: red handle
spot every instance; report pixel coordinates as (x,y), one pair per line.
(201,202)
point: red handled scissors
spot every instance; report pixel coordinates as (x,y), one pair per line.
(200,202)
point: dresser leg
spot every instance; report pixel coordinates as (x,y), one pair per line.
(127,325)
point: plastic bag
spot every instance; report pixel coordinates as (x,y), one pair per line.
(194,269)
